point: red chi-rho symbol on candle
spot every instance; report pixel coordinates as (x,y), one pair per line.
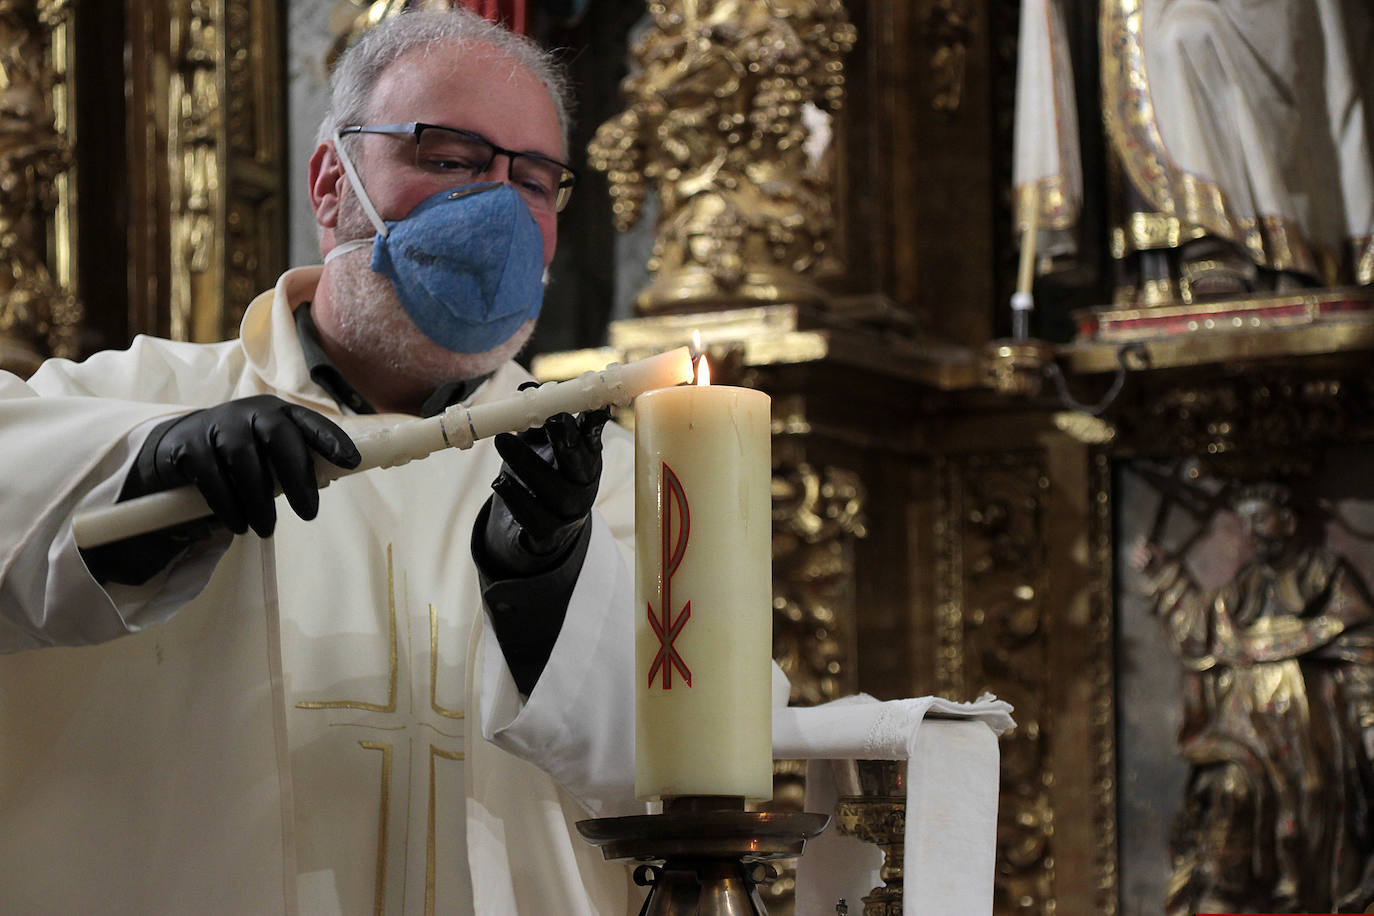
(667,628)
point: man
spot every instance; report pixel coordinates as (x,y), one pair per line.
(324,720)
(1277,706)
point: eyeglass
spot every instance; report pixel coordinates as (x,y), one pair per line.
(544,183)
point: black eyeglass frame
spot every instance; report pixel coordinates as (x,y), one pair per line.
(416,128)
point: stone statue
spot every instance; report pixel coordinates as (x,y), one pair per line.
(1278,722)
(1240,128)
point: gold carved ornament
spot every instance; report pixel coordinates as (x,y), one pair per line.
(720,103)
(194,123)
(989,624)
(39,314)
(206,231)
(818,512)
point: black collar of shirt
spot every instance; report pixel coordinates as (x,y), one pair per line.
(325,374)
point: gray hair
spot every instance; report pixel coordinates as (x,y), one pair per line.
(360,67)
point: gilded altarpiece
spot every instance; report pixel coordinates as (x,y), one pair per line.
(1013,538)
(39,310)
(929,537)
(206,134)
(1033,548)
(143,158)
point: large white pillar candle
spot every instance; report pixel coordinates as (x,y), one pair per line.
(703,637)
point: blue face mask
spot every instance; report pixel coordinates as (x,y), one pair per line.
(466,263)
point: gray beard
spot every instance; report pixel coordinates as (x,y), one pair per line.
(373,323)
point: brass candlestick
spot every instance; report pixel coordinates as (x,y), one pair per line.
(714,853)
(1016,366)
(878,815)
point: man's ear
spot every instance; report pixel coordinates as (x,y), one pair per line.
(327,180)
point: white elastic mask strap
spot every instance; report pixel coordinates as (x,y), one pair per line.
(357,184)
(346,247)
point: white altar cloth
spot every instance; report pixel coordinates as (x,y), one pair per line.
(952,788)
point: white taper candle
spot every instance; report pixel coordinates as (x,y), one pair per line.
(457,427)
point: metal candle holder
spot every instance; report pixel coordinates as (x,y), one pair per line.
(877,814)
(714,853)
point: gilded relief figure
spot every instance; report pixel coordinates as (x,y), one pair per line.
(37,316)
(1278,722)
(722,101)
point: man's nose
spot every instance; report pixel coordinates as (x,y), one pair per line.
(498,169)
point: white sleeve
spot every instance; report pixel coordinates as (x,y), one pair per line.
(58,454)
(578,724)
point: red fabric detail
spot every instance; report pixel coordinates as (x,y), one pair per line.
(510,13)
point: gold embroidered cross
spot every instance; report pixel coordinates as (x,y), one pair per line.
(433,726)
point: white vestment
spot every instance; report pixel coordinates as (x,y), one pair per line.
(321,722)
(1245,120)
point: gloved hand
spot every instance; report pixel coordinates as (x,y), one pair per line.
(236,453)
(545,491)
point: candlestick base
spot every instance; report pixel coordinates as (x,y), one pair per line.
(1016,367)
(713,857)
(878,816)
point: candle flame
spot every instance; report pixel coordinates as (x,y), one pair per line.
(703,371)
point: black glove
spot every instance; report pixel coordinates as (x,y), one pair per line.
(544,493)
(237,453)
(232,453)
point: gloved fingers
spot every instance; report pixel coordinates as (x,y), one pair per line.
(542,479)
(538,523)
(201,468)
(236,453)
(248,478)
(591,423)
(284,442)
(577,458)
(535,435)
(325,436)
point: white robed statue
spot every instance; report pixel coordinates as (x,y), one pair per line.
(1241,128)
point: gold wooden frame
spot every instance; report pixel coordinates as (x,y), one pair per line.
(39,314)
(203,205)
(206,123)
(1014,537)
